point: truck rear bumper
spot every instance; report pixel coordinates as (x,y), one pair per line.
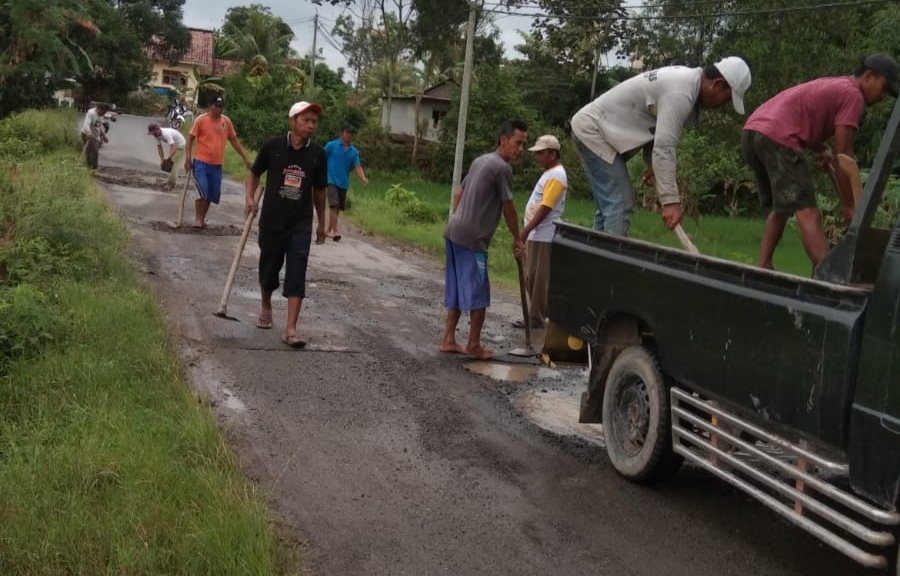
(791,479)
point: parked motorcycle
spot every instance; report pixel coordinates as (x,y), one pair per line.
(176,115)
(105,121)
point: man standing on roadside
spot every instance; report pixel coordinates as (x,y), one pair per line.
(801,118)
(92,134)
(649,111)
(485,194)
(342,157)
(169,159)
(546,204)
(296,177)
(210,131)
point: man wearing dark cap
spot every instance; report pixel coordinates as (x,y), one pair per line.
(342,158)
(169,161)
(210,131)
(802,118)
(296,176)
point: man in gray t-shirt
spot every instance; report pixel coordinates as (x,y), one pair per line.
(485,194)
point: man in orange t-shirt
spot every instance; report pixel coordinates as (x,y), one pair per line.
(210,131)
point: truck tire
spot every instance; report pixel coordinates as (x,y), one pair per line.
(637,420)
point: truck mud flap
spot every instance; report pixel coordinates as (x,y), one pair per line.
(801,486)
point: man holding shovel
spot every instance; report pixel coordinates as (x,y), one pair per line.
(801,118)
(296,178)
(485,194)
(168,160)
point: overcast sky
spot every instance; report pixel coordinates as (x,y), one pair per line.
(210,13)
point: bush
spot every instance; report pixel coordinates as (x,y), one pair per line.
(412,209)
(32,132)
(146,103)
(26,322)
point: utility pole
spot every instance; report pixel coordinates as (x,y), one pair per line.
(464,102)
(312,74)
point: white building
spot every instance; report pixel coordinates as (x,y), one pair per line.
(433,108)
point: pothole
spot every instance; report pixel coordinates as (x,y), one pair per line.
(556,411)
(188,228)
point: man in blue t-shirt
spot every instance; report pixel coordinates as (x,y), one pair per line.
(342,158)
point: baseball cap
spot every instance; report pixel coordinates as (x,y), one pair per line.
(887,67)
(300,107)
(545,142)
(736,72)
(218,101)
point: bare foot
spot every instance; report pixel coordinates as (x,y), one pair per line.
(452,348)
(480,352)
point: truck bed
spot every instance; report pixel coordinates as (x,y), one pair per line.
(777,347)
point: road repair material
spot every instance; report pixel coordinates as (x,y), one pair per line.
(222,312)
(526,350)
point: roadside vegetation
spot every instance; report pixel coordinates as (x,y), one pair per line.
(108,462)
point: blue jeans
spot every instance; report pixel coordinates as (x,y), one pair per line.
(612,190)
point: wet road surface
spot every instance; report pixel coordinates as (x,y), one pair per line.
(383,456)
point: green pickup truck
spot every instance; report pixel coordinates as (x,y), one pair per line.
(786,387)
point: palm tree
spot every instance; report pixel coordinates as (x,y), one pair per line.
(424,77)
(385,80)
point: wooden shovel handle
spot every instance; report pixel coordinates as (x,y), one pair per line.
(248,224)
(685,240)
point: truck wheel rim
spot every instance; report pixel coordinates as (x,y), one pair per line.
(631,420)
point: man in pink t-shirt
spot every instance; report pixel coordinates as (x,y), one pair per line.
(801,118)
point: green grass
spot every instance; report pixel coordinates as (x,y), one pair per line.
(735,239)
(108,462)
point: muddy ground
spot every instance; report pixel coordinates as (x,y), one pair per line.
(383,456)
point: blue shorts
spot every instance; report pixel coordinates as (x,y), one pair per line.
(466,287)
(208,178)
(289,249)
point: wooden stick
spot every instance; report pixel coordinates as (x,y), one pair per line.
(248,224)
(183,196)
(685,240)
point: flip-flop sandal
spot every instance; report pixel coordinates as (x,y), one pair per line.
(264,323)
(294,341)
(336,237)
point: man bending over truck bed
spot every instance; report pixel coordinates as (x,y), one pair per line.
(802,118)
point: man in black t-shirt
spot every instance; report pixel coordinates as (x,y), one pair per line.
(296,178)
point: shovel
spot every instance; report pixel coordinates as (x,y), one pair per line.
(187,183)
(526,350)
(685,240)
(222,312)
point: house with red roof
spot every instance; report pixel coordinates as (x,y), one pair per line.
(168,76)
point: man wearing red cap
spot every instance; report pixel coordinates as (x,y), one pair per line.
(296,177)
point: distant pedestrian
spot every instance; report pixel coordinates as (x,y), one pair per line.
(92,134)
(210,131)
(342,158)
(649,112)
(546,204)
(802,118)
(170,160)
(485,194)
(296,177)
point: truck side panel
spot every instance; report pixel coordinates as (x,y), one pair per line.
(776,349)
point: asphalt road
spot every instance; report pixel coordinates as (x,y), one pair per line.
(382,456)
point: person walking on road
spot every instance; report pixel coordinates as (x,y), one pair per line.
(649,112)
(546,204)
(169,160)
(296,177)
(342,158)
(801,118)
(210,131)
(485,194)
(92,134)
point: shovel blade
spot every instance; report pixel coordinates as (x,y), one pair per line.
(223,314)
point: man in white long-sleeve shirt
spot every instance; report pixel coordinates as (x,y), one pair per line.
(649,112)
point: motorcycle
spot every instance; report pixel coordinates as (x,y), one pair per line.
(105,121)
(175,116)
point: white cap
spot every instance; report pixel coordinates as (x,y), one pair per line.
(300,107)
(545,142)
(736,72)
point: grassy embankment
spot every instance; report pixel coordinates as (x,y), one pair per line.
(108,463)
(734,239)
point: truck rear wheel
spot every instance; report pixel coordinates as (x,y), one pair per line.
(637,420)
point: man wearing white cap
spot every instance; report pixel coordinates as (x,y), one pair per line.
(546,204)
(649,112)
(296,176)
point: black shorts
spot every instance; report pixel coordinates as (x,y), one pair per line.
(782,175)
(291,249)
(337,197)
